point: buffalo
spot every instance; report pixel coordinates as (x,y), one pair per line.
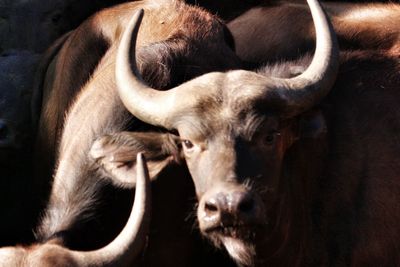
(292,165)
(234,130)
(80,102)
(231,9)
(284,30)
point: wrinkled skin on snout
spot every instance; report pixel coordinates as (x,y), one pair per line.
(233,130)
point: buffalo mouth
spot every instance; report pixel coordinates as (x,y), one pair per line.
(238,240)
(245,232)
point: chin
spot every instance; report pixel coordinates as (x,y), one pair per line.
(239,243)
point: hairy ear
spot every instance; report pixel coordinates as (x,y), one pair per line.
(116,154)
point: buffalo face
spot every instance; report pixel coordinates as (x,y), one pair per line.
(236,170)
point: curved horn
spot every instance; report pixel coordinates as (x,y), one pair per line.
(127,245)
(302,92)
(140,99)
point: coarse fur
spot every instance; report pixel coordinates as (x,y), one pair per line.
(324,177)
(177,42)
(285,30)
(332,185)
(342,203)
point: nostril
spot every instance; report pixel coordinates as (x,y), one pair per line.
(210,207)
(246,205)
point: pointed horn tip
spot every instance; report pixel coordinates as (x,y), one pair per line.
(142,169)
(137,18)
(140,156)
(316,81)
(140,159)
(139,98)
(139,14)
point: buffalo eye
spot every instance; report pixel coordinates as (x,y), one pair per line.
(187,144)
(270,138)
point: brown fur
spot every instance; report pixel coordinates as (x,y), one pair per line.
(360,210)
(349,208)
(328,199)
(286,31)
(79,100)
(334,196)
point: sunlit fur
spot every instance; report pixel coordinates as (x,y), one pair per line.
(173,35)
(285,30)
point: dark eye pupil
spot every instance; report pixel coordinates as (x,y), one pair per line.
(270,139)
(187,144)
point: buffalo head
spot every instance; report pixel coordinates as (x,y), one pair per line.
(233,130)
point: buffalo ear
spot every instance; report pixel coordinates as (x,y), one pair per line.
(115,154)
(312,125)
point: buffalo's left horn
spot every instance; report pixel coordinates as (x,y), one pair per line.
(304,91)
(130,242)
